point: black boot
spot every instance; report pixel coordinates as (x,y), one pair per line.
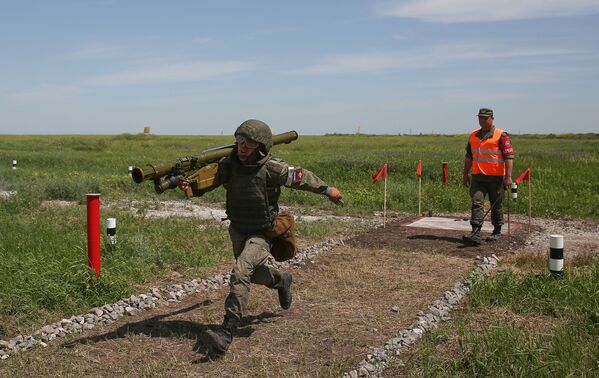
(221,338)
(474,237)
(496,234)
(285,291)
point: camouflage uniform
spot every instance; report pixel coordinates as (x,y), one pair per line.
(493,187)
(250,246)
(252,204)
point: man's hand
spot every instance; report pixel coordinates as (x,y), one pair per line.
(183,185)
(466,180)
(334,195)
(507,182)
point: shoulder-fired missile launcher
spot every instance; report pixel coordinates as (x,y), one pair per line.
(199,171)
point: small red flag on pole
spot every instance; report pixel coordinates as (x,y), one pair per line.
(419,168)
(524,176)
(382,173)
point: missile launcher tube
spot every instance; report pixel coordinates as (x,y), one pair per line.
(189,163)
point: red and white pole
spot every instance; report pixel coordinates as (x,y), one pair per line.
(93,232)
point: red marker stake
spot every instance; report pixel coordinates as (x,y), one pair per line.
(93,232)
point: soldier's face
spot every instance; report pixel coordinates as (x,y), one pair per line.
(485,122)
(244,152)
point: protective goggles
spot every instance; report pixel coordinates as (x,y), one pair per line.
(249,143)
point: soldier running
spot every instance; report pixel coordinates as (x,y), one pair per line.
(253,178)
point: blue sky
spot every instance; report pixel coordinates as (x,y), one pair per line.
(380,67)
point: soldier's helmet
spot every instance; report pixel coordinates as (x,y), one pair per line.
(258,131)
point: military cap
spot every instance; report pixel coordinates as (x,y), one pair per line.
(485,112)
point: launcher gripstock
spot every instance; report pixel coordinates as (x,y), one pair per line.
(199,171)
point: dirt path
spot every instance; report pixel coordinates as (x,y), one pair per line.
(343,303)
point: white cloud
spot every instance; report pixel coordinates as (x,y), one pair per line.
(95,52)
(46,93)
(487,10)
(175,72)
(201,40)
(431,57)
(400,37)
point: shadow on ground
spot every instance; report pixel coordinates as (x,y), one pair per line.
(157,326)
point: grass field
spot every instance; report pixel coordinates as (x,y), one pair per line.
(519,325)
(68,167)
(43,261)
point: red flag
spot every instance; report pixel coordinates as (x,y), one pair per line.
(381,173)
(524,176)
(419,168)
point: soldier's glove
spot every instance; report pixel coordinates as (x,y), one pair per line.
(334,195)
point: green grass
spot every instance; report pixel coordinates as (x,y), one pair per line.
(68,167)
(573,295)
(43,258)
(541,326)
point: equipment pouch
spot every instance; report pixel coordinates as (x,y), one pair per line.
(282,235)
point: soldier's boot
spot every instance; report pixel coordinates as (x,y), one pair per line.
(285,291)
(474,237)
(221,337)
(496,234)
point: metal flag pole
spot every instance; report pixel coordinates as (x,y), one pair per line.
(509,232)
(419,195)
(385,204)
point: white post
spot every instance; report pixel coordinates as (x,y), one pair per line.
(514,191)
(14,164)
(111,231)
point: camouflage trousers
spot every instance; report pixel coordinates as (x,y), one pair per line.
(251,254)
(478,190)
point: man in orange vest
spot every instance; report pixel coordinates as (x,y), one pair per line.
(490,156)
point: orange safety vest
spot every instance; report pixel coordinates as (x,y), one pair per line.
(487,158)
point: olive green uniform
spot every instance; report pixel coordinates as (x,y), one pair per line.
(252,206)
(480,187)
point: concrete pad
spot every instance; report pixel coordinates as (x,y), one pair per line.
(458,224)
